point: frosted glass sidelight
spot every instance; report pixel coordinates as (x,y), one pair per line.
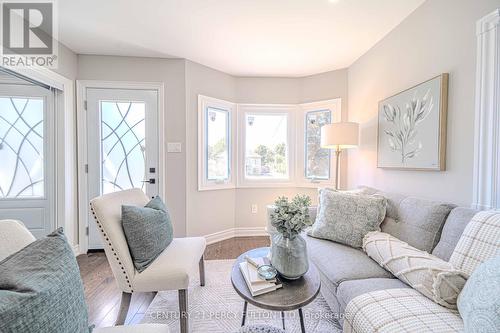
(123,145)
(21,147)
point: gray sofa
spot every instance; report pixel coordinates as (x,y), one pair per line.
(347,272)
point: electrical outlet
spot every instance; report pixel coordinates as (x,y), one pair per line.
(254,209)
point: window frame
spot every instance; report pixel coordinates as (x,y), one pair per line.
(266,109)
(335,107)
(204,184)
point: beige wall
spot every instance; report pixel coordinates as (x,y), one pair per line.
(213,211)
(437,37)
(67,62)
(172,73)
(207,211)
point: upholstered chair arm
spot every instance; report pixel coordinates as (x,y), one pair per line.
(13,237)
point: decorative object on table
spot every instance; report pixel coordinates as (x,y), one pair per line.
(263,268)
(433,277)
(346,218)
(257,285)
(294,295)
(412,127)
(479,301)
(288,248)
(148,231)
(339,136)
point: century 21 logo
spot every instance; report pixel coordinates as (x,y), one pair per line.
(27,28)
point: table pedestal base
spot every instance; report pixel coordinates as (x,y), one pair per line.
(301,318)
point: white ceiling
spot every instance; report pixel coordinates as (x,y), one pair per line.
(239,37)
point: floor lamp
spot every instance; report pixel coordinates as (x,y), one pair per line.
(339,136)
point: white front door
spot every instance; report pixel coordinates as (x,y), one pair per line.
(122,144)
(27,187)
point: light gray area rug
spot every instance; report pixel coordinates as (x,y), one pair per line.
(216,308)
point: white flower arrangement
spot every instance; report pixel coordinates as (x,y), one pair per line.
(291,217)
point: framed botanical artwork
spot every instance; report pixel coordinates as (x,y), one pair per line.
(412,127)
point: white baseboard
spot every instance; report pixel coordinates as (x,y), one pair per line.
(235,232)
(76,249)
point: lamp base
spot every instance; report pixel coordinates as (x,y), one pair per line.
(337,167)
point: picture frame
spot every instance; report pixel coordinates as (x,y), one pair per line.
(412,127)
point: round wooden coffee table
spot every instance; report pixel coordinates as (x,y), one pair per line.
(294,295)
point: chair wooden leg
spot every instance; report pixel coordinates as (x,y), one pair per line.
(124,305)
(202,271)
(183,310)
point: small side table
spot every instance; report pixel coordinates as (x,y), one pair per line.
(294,295)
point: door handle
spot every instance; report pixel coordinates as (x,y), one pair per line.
(149,181)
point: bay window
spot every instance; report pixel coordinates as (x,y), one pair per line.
(276,145)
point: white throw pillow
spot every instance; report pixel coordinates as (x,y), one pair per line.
(433,277)
(479,241)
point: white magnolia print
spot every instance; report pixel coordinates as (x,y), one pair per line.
(401,138)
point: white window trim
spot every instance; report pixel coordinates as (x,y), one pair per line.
(486,177)
(335,106)
(203,183)
(269,109)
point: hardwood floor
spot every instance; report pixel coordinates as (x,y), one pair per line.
(102,294)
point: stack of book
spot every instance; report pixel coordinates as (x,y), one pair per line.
(255,283)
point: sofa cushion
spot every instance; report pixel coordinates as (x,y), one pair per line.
(348,290)
(338,262)
(346,218)
(148,231)
(415,221)
(479,302)
(41,290)
(433,277)
(452,230)
(479,241)
(398,310)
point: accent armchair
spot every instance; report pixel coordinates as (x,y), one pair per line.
(172,270)
(14,236)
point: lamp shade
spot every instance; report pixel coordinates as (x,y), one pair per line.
(340,135)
